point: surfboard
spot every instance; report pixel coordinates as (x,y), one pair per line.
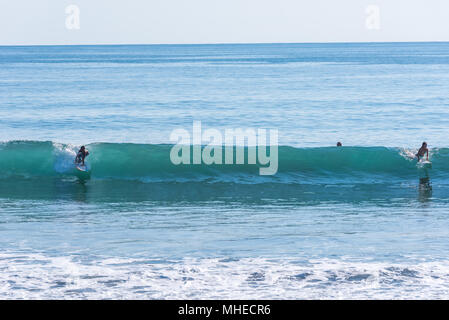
(82,172)
(82,168)
(424,164)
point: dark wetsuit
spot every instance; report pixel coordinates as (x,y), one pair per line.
(81,156)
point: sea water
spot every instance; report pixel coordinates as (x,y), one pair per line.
(359,221)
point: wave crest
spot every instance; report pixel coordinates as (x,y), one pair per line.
(151,162)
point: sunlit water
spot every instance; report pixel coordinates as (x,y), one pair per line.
(356,222)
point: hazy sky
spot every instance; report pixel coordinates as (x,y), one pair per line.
(222,21)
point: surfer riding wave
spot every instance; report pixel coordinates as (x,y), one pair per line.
(423,150)
(81,155)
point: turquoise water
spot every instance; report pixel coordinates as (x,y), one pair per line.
(360,221)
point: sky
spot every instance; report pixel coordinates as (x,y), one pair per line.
(61,22)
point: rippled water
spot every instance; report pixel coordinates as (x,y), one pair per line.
(362,221)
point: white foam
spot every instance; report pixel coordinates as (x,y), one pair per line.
(408,154)
(37,276)
(64,156)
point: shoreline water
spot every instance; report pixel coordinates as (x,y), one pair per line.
(247,278)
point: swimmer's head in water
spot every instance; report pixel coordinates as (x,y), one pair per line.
(339,144)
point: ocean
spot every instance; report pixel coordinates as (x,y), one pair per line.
(361,221)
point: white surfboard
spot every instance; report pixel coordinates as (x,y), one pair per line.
(424,164)
(82,168)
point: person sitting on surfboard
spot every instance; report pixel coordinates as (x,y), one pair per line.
(82,154)
(422,151)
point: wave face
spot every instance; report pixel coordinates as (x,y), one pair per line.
(151,163)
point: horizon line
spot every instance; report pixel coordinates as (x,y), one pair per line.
(216,43)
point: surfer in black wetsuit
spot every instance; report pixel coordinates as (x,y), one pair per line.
(82,154)
(422,151)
